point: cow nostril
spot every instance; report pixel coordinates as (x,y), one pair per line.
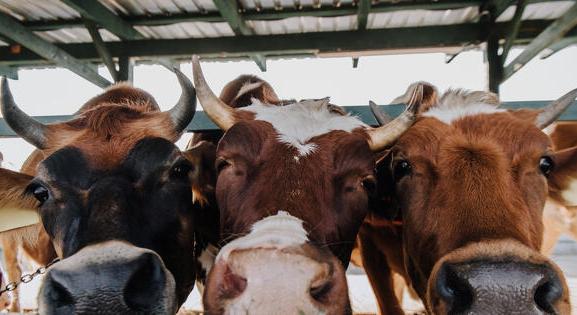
(547,293)
(60,297)
(146,283)
(454,290)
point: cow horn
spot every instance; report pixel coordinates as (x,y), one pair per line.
(550,113)
(381,117)
(25,126)
(383,136)
(182,113)
(217,110)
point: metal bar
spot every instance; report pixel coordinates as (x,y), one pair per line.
(202,123)
(515,26)
(125,69)
(14,30)
(9,72)
(558,46)
(355,62)
(353,42)
(497,7)
(494,64)
(101,48)
(363,14)
(260,61)
(550,35)
(229,11)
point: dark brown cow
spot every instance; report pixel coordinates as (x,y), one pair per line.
(470,182)
(114,195)
(292,189)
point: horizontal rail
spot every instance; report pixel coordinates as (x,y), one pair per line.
(202,123)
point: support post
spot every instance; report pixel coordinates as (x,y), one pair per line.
(125,69)
(101,48)
(494,64)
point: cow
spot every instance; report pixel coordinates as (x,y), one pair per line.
(467,184)
(114,196)
(292,186)
(201,152)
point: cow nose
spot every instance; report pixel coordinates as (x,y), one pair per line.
(112,279)
(498,288)
(275,282)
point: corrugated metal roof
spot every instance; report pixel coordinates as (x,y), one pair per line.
(49,10)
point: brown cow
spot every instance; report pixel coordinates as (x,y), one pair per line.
(292,190)
(114,195)
(470,183)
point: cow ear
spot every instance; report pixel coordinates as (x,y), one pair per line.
(16,208)
(202,155)
(240,92)
(563,177)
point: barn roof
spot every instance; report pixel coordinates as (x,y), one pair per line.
(76,33)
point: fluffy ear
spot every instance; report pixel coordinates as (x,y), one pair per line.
(16,209)
(563,178)
(203,179)
(241,91)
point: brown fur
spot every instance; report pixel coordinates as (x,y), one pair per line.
(104,129)
(480,178)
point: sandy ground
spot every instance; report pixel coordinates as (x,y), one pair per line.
(361,295)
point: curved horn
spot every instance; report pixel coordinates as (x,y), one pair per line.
(381,117)
(25,126)
(383,136)
(552,111)
(182,113)
(217,110)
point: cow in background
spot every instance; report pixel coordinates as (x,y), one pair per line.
(292,188)
(470,181)
(114,196)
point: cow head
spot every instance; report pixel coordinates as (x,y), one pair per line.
(114,194)
(471,180)
(292,188)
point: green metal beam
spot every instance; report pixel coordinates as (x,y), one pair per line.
(558,46)
(229,11)
(363,14)
(550,35)
(260,61)
(14,30)
(292,44)
(497,7)
(515,25)
(125,69)
(97,12)
(202,123)
(101,48)
(9,72)
(269,14)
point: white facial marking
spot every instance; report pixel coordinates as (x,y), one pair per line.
(570,194)
(207,258)
(278,231)
(247,87)
(448,114)
(299,122)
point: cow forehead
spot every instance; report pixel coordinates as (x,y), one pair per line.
(71,166)
(296,124)
(500,129)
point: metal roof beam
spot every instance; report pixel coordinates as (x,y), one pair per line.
(497,7)
(558,46)
(342,42)
(202,123)
(515,25)
(9,72)
(10,28)
(363,14)
(101,48)
(550,35)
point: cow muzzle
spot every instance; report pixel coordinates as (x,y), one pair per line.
(274,270)
(109,278)
(510,282)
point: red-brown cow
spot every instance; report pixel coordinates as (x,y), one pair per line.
(292,191)
(114,195)
(470,182)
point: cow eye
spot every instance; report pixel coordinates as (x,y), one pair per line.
(220,164)
(369,183)
(546,165)
(401,169)
(180,169)
(40,193)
